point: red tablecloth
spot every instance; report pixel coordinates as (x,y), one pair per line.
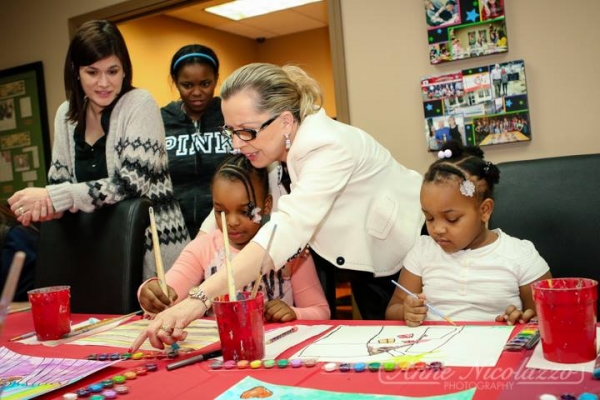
(507,380)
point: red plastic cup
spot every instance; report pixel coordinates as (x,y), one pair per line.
(566,309)
(51,310)
(241,327)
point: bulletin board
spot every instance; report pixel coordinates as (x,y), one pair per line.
(24,131)
(462,29)
(480,106)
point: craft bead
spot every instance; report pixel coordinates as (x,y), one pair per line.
(587,396)
(107,383)
(137,356)
(389,366)
(243,364)
(229,364)
(83,393)
(330,367)
(70,396)
(97,397)
(269,363)
(140,371)
(121,389)
(435,365)
(296,363)
(548,397)
(118,379)
(256,364)
(359,366)
(92,357)
(310,362)
(344,367)
(129,375)
(283,363)
(109,394)
(95,388)
(374,366)
(151,367)
(567,396)
(125,356)
(216,365)
(102,357)
(115,356)
(420,366)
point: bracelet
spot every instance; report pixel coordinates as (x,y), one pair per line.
(198,294)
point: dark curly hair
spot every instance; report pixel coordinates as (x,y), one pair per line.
(465,162)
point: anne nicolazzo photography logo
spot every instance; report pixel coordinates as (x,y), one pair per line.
(481,378)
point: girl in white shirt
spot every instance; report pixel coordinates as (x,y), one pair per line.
(470,273)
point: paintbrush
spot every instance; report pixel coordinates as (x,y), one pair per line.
(106,321)
(262,264)
(160,271)
(230,281)
(429,306)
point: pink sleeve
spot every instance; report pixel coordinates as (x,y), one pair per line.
(188,269)
(308,294)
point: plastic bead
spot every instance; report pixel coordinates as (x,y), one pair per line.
(330,367)
(255,364)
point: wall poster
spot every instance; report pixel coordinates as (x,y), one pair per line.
(460,29)
(24,131)
(478,106)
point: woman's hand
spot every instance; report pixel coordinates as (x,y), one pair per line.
(32,205)
(512,315)
(152,298)
(278,311)
(168,326)
(415,310)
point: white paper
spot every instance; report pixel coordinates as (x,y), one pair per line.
(303,333)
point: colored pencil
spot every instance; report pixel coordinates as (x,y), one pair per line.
(282,335)
(230,281)
(262,264)
(429,306)
(160,271)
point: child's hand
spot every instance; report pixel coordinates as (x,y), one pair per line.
(278,311)
(152,298)
(415,310)
(513,315)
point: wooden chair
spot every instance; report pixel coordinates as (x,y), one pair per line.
(99,254)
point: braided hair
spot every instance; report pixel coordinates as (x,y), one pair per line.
(238,168)
(463,163)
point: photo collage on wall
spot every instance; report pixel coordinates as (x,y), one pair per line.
(478,106)
(461,29)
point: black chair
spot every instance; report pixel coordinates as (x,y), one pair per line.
(554,203)
(99,254)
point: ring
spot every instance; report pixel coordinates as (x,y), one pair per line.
(167,329)
(178,328)
(21,211)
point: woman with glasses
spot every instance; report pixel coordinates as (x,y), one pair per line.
(355,205)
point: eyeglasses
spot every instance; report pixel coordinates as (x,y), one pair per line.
(246,134)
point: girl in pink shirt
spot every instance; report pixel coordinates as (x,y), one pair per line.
(242,193)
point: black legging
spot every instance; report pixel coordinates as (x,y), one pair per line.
(371,294)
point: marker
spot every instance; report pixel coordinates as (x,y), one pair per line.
(429,306)
(282,334)
(533,340)
(195,359)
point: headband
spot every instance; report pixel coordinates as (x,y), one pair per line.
(183,57)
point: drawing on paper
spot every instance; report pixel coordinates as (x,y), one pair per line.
(424,343)
(250,388)
(201,333)
(24,377)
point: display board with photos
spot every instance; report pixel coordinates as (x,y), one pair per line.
(461,29)
(481,106)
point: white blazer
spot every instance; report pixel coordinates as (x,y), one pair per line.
(351,201)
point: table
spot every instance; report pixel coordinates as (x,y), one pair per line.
(507,380)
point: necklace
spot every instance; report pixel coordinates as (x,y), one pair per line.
(195,122)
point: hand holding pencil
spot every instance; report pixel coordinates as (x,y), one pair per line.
(413,305)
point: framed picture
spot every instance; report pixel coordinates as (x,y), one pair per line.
(477,106)
(465,29)
(24,131)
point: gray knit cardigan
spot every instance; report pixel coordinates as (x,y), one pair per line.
(137,165)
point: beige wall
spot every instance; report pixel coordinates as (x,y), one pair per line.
(386,55)
(152,41)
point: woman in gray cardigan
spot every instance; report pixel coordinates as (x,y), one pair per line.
(109,144)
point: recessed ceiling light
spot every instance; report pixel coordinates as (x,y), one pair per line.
(240,9)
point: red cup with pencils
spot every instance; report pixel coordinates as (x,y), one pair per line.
(566,309)
(241,326)
(51,311)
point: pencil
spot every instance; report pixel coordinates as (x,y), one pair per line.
(10,286)
(160,271)
(282,334)
(429,306)
(262,264)
(230,281)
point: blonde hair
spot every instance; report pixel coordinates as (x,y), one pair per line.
(276,89)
